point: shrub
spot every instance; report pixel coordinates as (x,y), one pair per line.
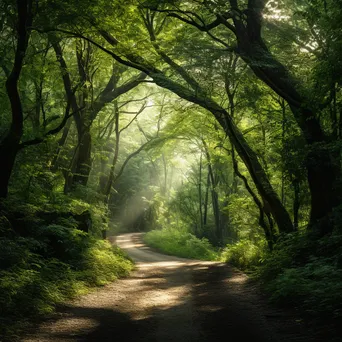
(56,264)
(316,287)
(180,243)
(244,254)
(306,273)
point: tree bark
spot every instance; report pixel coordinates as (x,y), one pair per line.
(9,146)
(296,202)
(214,196)
(323,168)
(268,230)
(84,161)
(109,183)
(206,199)
(200,196)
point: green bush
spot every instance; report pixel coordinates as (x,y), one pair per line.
(104,263)
(244,254)
(180,243)
(56,264)
(316,287)
(306,273)
(290,251)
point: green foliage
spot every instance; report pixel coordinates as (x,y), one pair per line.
(244,254)
(180,243)
(290,251)
(56,264)
(103,263)
(315,286)
(305,273)
(45,261)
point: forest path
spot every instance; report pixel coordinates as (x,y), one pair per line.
(170,299)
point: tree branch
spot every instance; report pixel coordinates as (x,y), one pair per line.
(53,131)
(143,107)
(110,94)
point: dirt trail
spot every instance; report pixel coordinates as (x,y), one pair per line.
(170,299)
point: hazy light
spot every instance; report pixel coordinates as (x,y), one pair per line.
(273,11)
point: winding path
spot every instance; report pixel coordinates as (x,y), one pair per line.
(170,299)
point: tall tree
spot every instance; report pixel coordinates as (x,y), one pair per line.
(87,108)
(245,22)
(9,144)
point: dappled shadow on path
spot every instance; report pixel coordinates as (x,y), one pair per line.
(197,302)
(171,299)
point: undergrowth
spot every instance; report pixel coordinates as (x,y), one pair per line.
(180,243)
(300,272)
(47,265)
(244,254)
(305,273)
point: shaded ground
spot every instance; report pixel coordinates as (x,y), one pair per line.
(171,299)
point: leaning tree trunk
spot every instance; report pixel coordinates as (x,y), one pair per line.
(197,96)
(268,229)
(245,152)
(322,166)
(9,146)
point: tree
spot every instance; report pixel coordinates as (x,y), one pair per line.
(245,23)
(9,144)
(86,108)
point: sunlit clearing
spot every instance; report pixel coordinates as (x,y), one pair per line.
(139,203)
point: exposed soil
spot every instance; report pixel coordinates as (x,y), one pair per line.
(172,299)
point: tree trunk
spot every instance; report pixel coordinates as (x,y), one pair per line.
(283,126)
(83,163)
(296,203)
(109,183)
(214,197)
(200,196)
(237,139)
(10,144)
(268,230)
(206,199)
(323,168)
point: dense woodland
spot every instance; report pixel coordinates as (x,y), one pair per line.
(216,125)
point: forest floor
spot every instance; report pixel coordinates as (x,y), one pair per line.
(172,299)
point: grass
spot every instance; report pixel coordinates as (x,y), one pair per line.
(56,264)
(180,243)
